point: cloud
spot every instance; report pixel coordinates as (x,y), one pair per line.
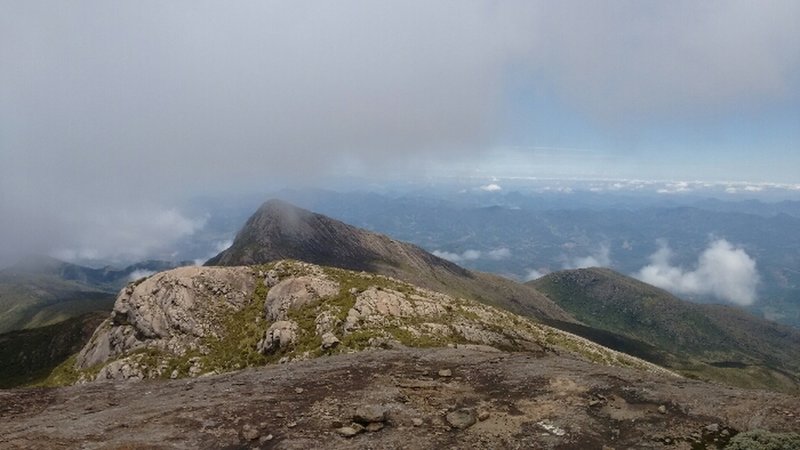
(103,104)
(140,273)
(499,253)
(534,274)
(722,270)
(217,248)
(471,255)
(599,258)
(122,235)
(492,187)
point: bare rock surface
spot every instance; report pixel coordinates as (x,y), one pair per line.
(296,292)
(170,311)
(529,400)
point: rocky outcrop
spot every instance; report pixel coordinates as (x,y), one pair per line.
(296,292)
(171,311)
(192,321)
(280,335)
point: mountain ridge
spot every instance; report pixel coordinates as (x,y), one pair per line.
(701,339)
(279,230)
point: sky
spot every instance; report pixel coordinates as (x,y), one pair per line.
(112,112)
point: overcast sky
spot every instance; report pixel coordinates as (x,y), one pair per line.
(110,112)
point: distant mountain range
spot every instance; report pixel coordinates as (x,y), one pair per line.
(40,290)
(545,232)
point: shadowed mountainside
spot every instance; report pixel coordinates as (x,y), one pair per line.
(28,356)
(709,341)
(40,291)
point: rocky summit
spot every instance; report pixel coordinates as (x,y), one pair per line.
(196,321)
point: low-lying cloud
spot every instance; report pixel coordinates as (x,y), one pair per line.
(599,258)
(723,271)
(123,235)
(492,187)
(534,274)
(471,255)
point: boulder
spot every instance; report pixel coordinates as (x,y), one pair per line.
(295,292)
(280,335)
(329,340)
(171,310)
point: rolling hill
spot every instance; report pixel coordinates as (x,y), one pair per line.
(708,341)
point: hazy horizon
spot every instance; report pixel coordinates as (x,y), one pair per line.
(112,115)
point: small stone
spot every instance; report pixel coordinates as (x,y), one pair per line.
(291,424)
(483,415)
(369,414)
(445,373)
(329,340)
(662,409)
(461,419)
(713,428)
(299,390)
(347,431)
(374,426)
(725,433)
(280,415)
(595,402)
(250,433)
(417,422)
(266,438)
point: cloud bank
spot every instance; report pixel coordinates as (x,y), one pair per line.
(104,104)
(722,270)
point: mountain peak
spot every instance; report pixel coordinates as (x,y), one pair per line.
(279,230)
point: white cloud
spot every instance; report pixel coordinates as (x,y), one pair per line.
(492,187)
(499,253)
(599,258)
(141,273)
(722,270)
(450,256)
(534,274)
(124,234)
(471,255)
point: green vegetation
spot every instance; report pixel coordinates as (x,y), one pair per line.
(28,356)
(709,342)
(764,440)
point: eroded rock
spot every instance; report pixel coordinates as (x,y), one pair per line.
(280,335)
(295,292)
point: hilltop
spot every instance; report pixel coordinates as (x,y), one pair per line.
(204,320)
(708,341)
